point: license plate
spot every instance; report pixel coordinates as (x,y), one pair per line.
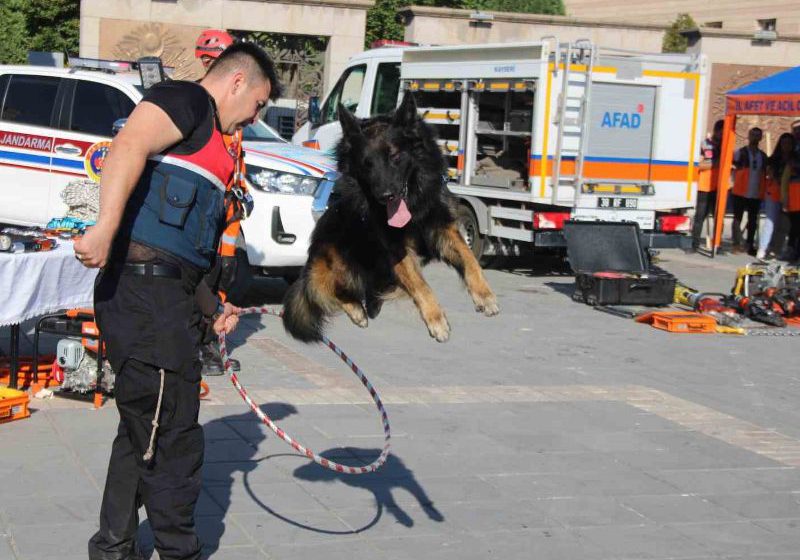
(645,218)
(617,202)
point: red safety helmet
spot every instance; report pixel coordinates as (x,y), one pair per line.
(212,42)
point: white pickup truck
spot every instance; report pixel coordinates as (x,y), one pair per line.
(52,119)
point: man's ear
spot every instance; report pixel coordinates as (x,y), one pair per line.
(406,113)
(351,125)
(239,82)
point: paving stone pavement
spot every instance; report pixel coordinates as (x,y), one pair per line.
(552,431)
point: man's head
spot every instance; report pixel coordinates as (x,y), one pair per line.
(210,44)
(241,81)
(754,136)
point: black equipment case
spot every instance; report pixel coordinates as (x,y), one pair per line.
(612,268)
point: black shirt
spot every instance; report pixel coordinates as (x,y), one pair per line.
(191,108)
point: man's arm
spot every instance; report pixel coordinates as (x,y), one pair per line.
(149,131)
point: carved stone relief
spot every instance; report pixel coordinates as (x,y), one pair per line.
(156,39)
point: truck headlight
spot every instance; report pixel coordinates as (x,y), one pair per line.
(269,180)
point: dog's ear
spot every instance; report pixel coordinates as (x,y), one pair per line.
(406,113)
(350,124)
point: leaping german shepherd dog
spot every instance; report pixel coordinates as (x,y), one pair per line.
(392,214)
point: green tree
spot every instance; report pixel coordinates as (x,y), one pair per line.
(382,21)
(549,7)
(673,41)
(14,47)
(382,17)
(53,25)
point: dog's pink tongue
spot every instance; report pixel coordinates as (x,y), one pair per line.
(398,212)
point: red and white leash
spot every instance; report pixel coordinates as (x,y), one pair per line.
(327,463)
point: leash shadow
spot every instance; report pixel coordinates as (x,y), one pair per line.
(240,436)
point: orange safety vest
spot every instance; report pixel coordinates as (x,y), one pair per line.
(793,195)
(233,207)
(741,181)
(707,179)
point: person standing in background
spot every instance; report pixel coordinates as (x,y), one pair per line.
(750,164)
(790,197)
(776,163)
(210,45)
(708,175)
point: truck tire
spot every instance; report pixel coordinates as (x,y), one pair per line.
(468,227)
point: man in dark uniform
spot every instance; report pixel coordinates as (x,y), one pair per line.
(162,212)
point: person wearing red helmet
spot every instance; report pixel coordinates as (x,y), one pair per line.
(210,45)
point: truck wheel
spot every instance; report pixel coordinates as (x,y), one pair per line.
(469,230)
(243,277)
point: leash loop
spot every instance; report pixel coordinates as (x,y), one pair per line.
(322,461)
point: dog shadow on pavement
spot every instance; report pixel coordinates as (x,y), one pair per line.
(244,455)
(393,475)
(221,476)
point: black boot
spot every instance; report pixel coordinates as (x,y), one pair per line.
(212,360)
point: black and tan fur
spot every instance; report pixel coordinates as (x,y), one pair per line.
(356,260)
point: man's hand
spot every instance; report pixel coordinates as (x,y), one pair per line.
(92,249)
(226,322)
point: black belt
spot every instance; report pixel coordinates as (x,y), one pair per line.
(158,270)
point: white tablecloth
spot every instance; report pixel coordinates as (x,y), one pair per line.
(33,284)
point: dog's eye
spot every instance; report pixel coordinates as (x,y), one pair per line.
(396,157)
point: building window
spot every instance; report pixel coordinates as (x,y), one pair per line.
(713,24)
(768,24)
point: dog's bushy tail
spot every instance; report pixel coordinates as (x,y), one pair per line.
(303,317)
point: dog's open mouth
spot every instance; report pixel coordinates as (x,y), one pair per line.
(397,211)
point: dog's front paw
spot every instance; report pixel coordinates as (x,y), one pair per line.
(487,305)
(356,313)
(439,328)
(374,307)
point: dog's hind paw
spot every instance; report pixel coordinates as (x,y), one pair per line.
(439,329)
(487,306)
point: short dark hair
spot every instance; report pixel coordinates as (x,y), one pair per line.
(719,124)
(756,129)
(252,59)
